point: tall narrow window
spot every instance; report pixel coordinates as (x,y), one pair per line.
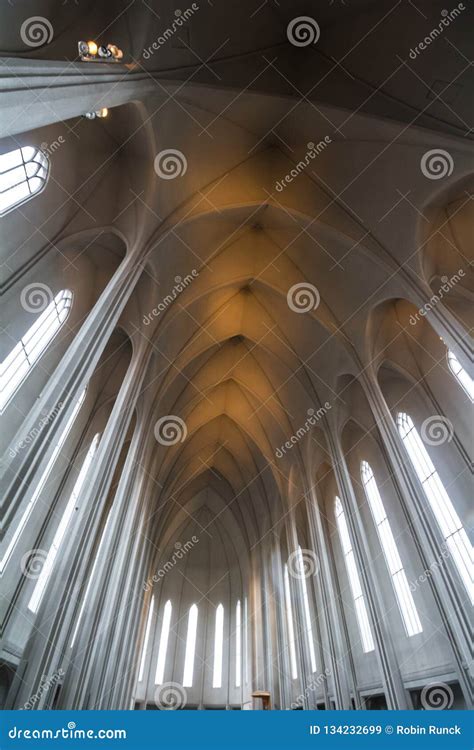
(43,479)
(190,647)
(403,594)
(163,648)
(291,627)
(463,378)
(354,580)
(149,620)
(89,582)
(23,174)
(218,647)
(19,363)
(238,644)
(246,641)
(43,578)
(448,520)
(307,613)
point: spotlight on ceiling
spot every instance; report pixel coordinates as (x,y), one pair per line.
(91,52)
(99,113)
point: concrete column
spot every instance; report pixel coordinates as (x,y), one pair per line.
(20,475)
(305,674)
(49,643)
(443,579)
(115,602)
(397,697)
(281,656)
(338,646)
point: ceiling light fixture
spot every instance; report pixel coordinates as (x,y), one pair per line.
(91,52)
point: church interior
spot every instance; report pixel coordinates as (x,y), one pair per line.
(237,364)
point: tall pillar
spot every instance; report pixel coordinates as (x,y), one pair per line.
(19,476)
(50,639)
(396,695)
(341,665)
(428,539)
(282,656)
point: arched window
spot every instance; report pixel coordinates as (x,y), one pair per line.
(238,644)
(19,363)
(307,613)
(44,478)
(23,174)
(149,619)
(461,375)
(190,647)
(47,568)
(291,627)
(218,647)
(403,594)
(89,582)
(354,580)
(448,520)
(163,648)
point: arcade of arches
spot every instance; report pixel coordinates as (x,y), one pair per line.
(236,357)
